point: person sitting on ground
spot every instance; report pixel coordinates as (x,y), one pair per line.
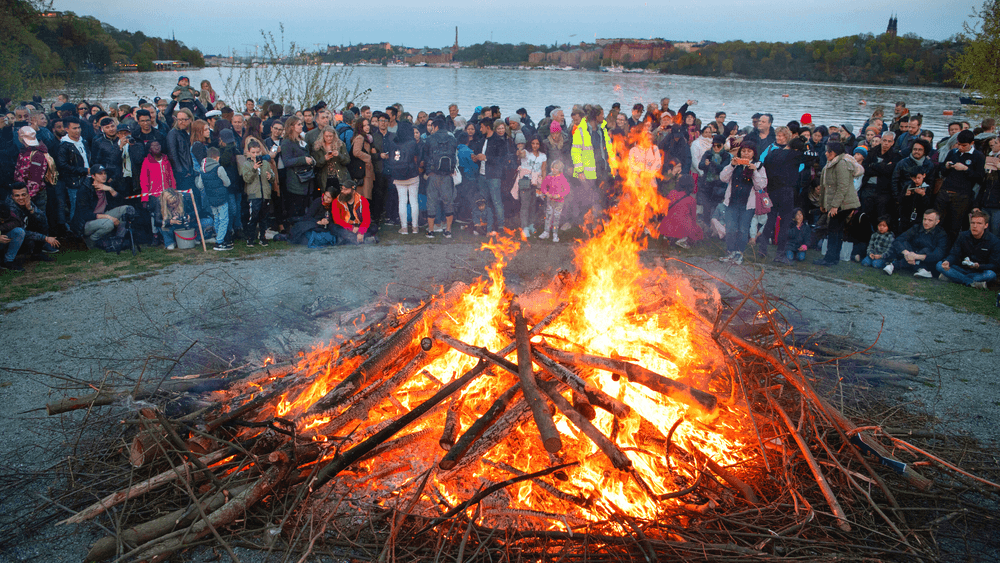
(879,244)
(919,248)
(798,236)
(352,217)
(171,214)
(213,181)
(680,223)
(96,216)
(979,252)
(25,229)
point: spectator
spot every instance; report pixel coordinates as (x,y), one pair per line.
(97,216)
(554,189)
(73,163)
(213,181)
(879,244)
(255,170)
(352,218)
(744,175)
(440,160)
(963,168)
(975,257)
(912,197)
(32,166)
(988,199)
(837,199)
(26,228)
(920,248)
(299,169)
(172,213)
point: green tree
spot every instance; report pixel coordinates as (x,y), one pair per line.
(976,65)
(26,64)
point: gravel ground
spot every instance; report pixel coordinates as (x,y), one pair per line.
(231,313)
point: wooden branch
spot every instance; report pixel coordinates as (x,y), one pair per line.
(701,400)
(595,396)
(108,397)
(106,547)
(144,487)
(607,447)
(828,494)
(726,475)
(388,350)
(547,430)
(476,430)
(344,460)
(806,389)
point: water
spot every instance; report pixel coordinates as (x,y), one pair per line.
(430,89)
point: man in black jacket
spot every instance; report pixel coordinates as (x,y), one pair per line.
(106,150)
(920,248)
(963,169)
(876,195)
(911,197)
(975,257)
(782,166)
(73,163)
(490,152)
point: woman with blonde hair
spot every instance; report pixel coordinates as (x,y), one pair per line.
(331,157)
(299,165)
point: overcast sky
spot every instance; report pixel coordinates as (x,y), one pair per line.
(220,26)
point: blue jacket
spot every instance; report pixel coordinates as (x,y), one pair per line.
(213,179)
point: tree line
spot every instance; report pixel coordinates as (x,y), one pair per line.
(34,48)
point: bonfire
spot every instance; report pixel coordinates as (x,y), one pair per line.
(618,411)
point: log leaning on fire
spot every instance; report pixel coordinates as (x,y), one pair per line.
(706,402)
(609,448)
(539,406)
(476,430)
(389,350)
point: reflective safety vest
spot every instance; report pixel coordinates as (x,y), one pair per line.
(582,151)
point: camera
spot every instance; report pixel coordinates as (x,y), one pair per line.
(263,158)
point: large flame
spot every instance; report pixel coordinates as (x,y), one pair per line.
(610,286)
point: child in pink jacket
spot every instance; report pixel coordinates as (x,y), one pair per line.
(554,188)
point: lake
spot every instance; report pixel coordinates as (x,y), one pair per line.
(429,89)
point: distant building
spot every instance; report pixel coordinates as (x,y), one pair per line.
(170,64)
(537,57)
(636,51)
(431,57)
(892,28)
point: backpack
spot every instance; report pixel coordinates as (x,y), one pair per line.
(345,133)
(440,154)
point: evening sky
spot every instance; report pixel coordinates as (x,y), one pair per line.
(221,26)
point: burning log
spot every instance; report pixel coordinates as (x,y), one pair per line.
(607,447)
(701,400)
(539,408)
(388,350)
(458,451)
(447,439)
(594,395)
(108,397)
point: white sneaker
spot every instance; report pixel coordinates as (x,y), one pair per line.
(171,247)
(404,231)
(978,285)
(738,258)
(922,273)
(683,243)
(545,234)
(889,268)
(555,237)
(728,257)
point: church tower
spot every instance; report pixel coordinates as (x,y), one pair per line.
(891,29)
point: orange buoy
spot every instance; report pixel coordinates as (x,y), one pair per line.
(784,95)
(862,103)
(948,112)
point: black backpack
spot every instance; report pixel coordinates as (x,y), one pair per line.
(441,154)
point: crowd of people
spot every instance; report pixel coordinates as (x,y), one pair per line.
(189,167)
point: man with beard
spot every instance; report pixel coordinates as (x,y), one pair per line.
(912,198)
(876,194)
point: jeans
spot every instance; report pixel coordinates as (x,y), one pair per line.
(835,237)
(876,263)
(408,190)
(799,255)
(235,210)
(492,191)
(965,276)
(16,240)
(220,214)
(71,195)
(737,226)
(97,229)
(345,236)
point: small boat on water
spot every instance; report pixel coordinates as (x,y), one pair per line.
(613,68)
(973,100)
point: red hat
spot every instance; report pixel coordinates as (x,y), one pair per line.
(806,119)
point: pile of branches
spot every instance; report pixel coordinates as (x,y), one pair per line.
(817,484)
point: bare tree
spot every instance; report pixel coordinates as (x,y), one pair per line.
(288,75)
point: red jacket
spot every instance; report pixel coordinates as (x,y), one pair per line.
(31,168)
(356,214)
(156,176)
(680,221)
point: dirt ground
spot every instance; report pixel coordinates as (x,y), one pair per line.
(230,313)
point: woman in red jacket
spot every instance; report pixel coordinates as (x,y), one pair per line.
(680,223)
